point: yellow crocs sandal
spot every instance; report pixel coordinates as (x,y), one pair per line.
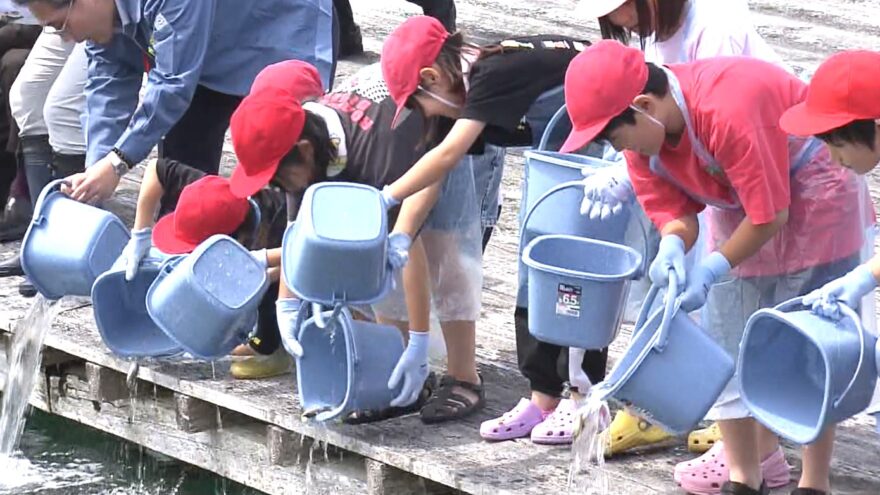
(256,367)
(700,441)
(629,432)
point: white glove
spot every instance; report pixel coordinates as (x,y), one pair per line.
(606,191)
(287,310)
(262,257)
(398,249)
(389,200)
(412,368)
(136,250)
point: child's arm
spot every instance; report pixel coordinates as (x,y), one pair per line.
(435,164)
(415,209)
(748,238)
(149,198)
(416,289)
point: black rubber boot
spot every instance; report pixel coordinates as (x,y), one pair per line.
(807,491)
(36,154)
(16,218)
(11,267)
(442,10)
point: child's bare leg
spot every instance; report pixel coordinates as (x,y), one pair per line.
(817,463)
(741,445)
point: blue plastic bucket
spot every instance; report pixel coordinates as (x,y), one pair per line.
(336,250)
(672,372)
(577,288)
(800,372)
(560,214)
(345,367)
(120,310)
(207,301)
(69,244)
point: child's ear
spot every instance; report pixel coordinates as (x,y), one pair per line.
(429,76)
(306,151)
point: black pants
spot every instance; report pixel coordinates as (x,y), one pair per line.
(16,41)
(197,138)
(546,365)
(267,338)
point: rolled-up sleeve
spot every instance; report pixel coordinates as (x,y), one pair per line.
(662,201)
(181,33)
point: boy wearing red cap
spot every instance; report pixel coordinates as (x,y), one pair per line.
(781,219)
(843,110)
(502,94)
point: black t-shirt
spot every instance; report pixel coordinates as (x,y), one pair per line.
(174,176)
(377,155)
(504,85)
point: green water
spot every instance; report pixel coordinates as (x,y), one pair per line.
(60,457)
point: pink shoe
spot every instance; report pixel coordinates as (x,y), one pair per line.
(705,474)
(558,428)
(516,423)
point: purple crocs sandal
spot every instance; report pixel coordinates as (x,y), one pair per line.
(558,428)
(516,423)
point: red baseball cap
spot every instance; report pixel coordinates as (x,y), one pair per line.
(265,127)
(300,78)
(600,83)
(205,208)
(845,88)
(414,45)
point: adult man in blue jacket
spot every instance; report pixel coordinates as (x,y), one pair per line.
(201,57)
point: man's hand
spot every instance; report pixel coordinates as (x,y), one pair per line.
(94,185)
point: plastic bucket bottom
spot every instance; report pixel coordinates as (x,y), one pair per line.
(795,368)
(577,288)
(671,381)
(346,366)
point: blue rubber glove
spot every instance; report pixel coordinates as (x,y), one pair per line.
(389,200)
(136,250)
(606,191)
(670,256)
(701,278)
(287,310)
(412,369)
(848,289)
(398,249)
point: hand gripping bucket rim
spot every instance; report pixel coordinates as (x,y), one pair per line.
(121,349)
(829,404)
(39,219)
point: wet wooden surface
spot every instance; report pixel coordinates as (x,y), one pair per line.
(453,454)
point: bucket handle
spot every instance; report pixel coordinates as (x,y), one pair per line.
(671,306)
(51,187)
(320,321)
(551,125)
(258,217)
(567,185)
(852,315)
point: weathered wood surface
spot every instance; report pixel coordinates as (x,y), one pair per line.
(453,454)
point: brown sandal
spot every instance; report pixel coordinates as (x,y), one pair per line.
(449,405)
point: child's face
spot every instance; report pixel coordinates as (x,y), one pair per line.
(645,137)
(299,175)
(857,157)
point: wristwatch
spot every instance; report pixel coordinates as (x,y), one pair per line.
(120,163)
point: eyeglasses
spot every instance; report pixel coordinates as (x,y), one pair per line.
(63,29)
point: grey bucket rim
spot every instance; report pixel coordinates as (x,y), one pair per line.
(777,313)
(550,157)
(531,263)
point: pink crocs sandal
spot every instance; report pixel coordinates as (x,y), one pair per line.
(558,428)
(516,423)
(705,474)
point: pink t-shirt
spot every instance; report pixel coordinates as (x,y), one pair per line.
(735,104)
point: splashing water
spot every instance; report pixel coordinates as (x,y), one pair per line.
(23,368)
(587,474)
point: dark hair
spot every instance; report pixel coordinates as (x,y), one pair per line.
(660,18)
(58,4)
(314,131)
(856,132)
(657,85)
